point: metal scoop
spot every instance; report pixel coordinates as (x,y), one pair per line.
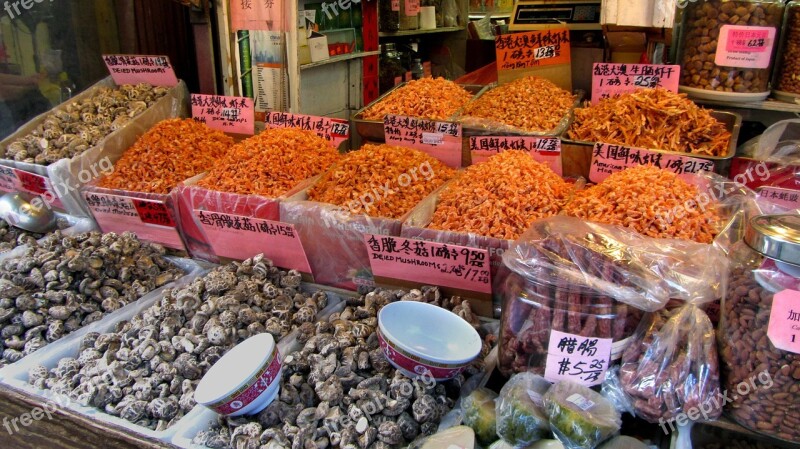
(17,210)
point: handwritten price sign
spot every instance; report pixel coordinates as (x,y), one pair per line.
(441,140)
(546,150)
(234,115)
(532,49)
(429,263)
(609,80)
(135,69)
(608,159)
(580,359)
(333,130)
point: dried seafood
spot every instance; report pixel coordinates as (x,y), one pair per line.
(650,201)
(531,103)
(381,180)
(340,391)
(80,125)
(652,118)
(169,153)
(146,371)
(500,197)
(12,237)
(430,98)
(66,282)
(271,163)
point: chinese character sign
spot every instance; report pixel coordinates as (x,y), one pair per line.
(609,80)
(334,130)
(441,140)
(546,150)
(264,15)
(135,69)
(532,49)
(234,115)
(580,359)
(608,159)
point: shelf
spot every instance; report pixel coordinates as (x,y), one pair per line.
(340,58)
(768,105)
(418,32)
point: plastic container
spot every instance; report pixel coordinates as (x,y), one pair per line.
(409,15)
(388,16)
(417,72)
(759,348)
(727,48)
(786,83)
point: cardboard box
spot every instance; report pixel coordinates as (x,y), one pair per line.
(318,46)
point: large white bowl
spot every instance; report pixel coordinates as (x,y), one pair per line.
(245,380)
(419,339)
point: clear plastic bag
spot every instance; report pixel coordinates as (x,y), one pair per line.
(580,417)
(521,419)
(450,13)
(480,414)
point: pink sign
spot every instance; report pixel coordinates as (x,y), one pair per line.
(257,15)
(580,359)
(784,321)
(441,140)
(135,69)
(745,46)
(239,237)
(150,220)
(429,263)
(37,185)
(787,198)
(609,80)
(334,130)
(234,115)
(546,150)
(608,159)
(412,7)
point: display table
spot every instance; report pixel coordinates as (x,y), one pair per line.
(66,429)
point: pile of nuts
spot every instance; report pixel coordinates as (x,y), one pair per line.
(12,237)
(75,127)
(271,163)
(147,369)
(170,152)
(704,20)
(339,390)
(67,282)
(531,104)
(789,77)
(430,98)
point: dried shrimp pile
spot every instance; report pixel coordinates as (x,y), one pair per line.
(430,98)
(652,118)
(501,197)
(648,200)
(170,152)
(531,103)
(381,180)
(271,163)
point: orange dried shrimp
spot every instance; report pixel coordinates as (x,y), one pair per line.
(381,180)
(500,197)
(169,153)
(652,118)
(430,98)
(650,201)
(271,163)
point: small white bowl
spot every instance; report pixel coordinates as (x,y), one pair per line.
(245,380)
(419,338)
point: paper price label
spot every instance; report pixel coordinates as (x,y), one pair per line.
(608,159)
(532,49)
(239,237)
(135,69)
(334,130)
(745,46)
(234,115)
(429,263)
(546,150)
(784,321)
(609,80)
(441,140)
(150,220)
(787,198)
(8,180)
(580,359)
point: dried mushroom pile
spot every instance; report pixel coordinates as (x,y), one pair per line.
(652,118)
(646,199)
(532,104)
(500,197)
(12,237)
(65,283)
(78,126)
(170,152)
(271,163)
(146,371)
(401,176)
(340,391)
(430,98)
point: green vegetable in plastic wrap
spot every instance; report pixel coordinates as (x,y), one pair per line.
(480,414)
(580,417)
(521,419)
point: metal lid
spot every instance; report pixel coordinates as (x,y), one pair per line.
(775,236)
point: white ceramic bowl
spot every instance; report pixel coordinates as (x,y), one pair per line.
(419,338)
(245,380)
